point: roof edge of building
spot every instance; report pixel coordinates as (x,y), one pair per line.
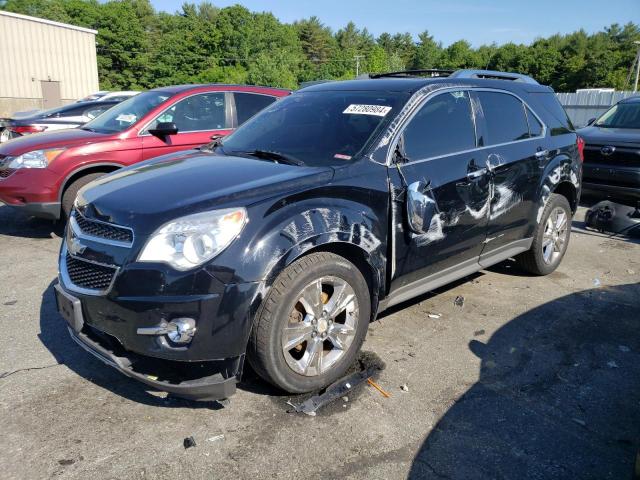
(47,22)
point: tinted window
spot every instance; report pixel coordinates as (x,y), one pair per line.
(68,112)
(443,125)
(504,117)
(248,104)
(535,127)
(198,112)
(318,128)
(556,118)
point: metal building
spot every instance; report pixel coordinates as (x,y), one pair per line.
(45,64)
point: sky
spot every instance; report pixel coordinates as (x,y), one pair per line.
(479,22)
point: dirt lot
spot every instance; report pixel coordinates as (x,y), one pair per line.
(530,378)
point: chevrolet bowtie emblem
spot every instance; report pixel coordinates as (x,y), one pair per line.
(74,246)
(607,150)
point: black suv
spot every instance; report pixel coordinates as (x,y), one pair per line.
(612,151)
(285,239)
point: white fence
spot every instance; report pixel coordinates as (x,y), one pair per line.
(582,106)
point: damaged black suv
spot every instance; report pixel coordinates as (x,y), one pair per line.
(281,242)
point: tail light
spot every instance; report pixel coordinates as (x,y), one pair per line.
(580,145)
(26,129)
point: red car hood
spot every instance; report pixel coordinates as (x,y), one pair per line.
(59,138)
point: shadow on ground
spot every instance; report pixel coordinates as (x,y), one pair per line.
(558,396)
(14,223)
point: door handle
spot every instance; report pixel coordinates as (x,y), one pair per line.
(541,154)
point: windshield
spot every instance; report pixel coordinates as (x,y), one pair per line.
(125,114)
(317,128)
(622,115)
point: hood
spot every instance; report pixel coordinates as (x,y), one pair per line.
(58,138)
(609,136)
(148,195)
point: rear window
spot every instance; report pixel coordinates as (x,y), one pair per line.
(504,117)
(552,112)
(248,104)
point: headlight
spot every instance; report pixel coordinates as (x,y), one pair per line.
(190,241)
(36,159)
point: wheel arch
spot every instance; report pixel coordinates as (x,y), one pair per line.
(106,167)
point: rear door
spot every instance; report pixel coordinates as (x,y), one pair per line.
(197,118)
(443,162)
(516,158)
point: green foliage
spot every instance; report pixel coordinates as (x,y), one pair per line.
(138,47)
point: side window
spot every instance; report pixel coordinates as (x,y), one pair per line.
(535,127)
(198,112)
(248,104)
(504,116)
(443,125)
(71,112)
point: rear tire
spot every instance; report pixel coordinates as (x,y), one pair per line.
(71,192)
(298,346)
(550,238)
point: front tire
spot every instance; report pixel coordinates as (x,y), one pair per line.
(311,324)
(550,239)
(70,193)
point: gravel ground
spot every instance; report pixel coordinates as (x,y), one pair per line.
(529,378)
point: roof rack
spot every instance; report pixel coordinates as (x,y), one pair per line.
(431,72)
(493,74)
(465,73)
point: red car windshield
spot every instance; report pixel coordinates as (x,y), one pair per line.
(125,114)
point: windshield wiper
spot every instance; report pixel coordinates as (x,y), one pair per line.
(271,155)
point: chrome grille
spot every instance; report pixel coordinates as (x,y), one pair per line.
(104,230)
(89,275)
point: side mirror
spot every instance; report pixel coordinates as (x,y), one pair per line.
(164,129)
(591,121)
(420,207)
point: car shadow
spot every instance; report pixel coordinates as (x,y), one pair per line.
(557,396)
(14,223)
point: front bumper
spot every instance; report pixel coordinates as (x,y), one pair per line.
(32,190)
(209,387)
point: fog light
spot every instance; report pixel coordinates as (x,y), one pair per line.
(181,330)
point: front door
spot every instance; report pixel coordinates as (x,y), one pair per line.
(515,157)
(440,159)
(197,118)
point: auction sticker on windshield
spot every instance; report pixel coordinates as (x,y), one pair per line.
(377,110)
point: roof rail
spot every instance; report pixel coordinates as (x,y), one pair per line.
(431,72)
(493,74)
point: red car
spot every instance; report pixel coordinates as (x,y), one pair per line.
(42,173)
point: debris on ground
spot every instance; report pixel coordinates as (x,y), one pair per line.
(477,333)
(624,348)
(629,271)
(215,438)
(345,399)
(189,442)
(404,387)
(10,302)
(434,315)
(379,388)
(459,301)
(596,282)
(368,364)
